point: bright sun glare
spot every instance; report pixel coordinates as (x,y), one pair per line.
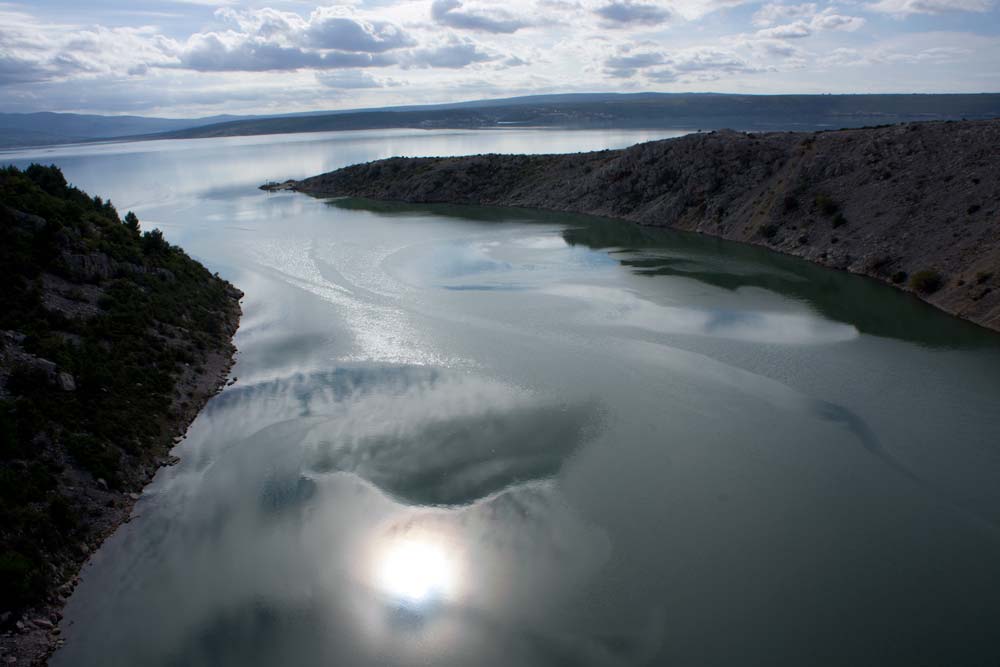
(415,572)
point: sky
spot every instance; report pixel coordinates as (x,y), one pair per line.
(187,58)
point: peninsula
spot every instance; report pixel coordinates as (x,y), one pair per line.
(111,341)
(915,205)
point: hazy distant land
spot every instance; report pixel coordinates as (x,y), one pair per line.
(590,110)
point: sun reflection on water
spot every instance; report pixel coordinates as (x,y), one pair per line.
(416,573)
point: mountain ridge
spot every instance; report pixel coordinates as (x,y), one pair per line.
(649,110)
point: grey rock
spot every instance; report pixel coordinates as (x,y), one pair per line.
(91,266)
(66,382)
(28,220)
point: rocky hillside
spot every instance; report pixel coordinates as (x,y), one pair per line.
(111,340)
(914,205)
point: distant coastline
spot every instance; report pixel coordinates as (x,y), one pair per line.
(915,205)
(653,111)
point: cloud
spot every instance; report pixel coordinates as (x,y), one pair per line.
(346,34)
(773,12)
(31,52)
(828,20)
(450,13)
(349,80)
(625,66)
(626,12)
(454,54)
(824,20)
(796,30)
(325,28)
(775,49)
(902,8)
(935,55)
(19,70)
(697,64)
(231,52)
(692,10)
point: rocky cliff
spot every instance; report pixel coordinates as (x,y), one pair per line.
(914,205)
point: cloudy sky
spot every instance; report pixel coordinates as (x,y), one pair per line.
(200,57)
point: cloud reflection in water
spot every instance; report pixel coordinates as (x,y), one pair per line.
(622,307)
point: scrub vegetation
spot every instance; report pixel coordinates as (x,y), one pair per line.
(110,340)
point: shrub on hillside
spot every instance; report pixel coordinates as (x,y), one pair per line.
(926,282)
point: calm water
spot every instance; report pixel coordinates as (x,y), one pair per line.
(478,437)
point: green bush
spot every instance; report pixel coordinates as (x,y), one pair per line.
(839,220)
(899,277)
(926,282)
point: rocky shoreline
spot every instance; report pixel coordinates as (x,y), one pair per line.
(111,342)
(33,638)
(916,206)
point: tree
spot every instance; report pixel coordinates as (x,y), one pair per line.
(153,243)
(132,222)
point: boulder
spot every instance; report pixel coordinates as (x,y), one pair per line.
(66,382)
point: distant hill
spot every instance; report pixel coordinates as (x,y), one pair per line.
(45,128)
(914,205)
(578,110)
(639,110)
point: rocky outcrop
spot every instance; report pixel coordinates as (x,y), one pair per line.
(914,205)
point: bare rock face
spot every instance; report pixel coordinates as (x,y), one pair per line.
(92,266)
(66,382)
(914,205)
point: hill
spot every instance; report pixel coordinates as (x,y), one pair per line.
(639,110)
(914,205)
(573,110)
(46,128)
(111,340)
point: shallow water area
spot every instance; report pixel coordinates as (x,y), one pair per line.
(498,437)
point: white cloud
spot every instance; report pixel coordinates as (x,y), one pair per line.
(795,30)
(829,20)
(773,12)
(904,8)
(455,53)
(681,65)
(692,10)
(619,13)
(486,19)
(350,80)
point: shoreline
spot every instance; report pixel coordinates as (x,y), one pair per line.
(914,206)
(36,636)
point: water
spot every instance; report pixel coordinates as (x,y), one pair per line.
(469,436)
